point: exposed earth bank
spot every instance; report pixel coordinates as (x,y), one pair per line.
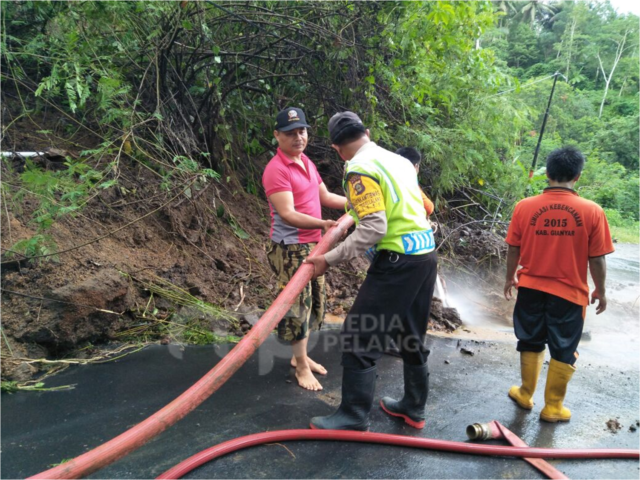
(183,264)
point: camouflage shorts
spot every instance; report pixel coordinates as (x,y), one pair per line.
(307,311)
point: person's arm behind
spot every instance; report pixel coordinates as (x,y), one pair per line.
(600,244)
(428,204)
(598,269)
(514,240)
(284,205)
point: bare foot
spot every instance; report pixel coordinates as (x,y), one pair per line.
(306,379)
(315,367)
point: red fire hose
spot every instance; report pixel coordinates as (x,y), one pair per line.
(365,437)
(499,431)
(137,436)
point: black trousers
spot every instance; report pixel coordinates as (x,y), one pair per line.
(540,318)
(393,303)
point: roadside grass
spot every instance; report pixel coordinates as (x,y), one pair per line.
(627,233)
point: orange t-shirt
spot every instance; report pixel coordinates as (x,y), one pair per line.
(428,204)
(557,232)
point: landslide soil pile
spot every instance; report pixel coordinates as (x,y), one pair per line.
(208,247)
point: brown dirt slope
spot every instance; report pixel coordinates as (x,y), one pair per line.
(211,245)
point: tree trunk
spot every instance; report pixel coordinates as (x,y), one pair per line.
(619,52)
(604,97)
(573,30)
(624,83)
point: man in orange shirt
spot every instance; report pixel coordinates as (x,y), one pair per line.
(554,237)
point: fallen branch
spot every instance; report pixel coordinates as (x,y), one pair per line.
(107,357)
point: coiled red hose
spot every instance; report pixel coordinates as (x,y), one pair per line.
(209,454)
(137,436)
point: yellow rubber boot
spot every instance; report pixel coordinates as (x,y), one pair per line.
(530,366)
(558,378)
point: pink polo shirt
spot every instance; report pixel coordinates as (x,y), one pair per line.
(284,175)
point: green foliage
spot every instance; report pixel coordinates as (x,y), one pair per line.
(618,138)
(189,91)
(431,42)
(61,192)
(610,186)
(9,387)
(570,41)
(55,194)
(523,46)
(614,217)
(178,296)
(628,233)
(195,334)
(36,246)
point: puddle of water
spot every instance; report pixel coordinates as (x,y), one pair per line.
(623,273)
(615,333)
(612,337)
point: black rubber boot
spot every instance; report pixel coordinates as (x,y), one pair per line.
(358,387)
(416,390)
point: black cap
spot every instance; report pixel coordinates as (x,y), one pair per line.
(290,118)
(342,123)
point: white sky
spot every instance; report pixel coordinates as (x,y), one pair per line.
(626,6)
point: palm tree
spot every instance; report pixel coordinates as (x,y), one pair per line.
(537,10)
(551,18)
(506,6)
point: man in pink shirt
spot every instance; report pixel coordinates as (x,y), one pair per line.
(296,195)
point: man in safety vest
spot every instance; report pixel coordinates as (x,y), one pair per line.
(395,298)
(554,236)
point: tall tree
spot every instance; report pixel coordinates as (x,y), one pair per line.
(620,42)
(568,47)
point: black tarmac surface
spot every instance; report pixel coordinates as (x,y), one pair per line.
(41,429)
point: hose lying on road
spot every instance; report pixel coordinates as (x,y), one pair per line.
(137,436)
(366,437)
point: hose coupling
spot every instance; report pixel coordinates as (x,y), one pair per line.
(479,431)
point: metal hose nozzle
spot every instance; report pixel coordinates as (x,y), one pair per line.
(479,431)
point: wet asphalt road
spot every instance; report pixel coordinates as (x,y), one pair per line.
(40,429)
